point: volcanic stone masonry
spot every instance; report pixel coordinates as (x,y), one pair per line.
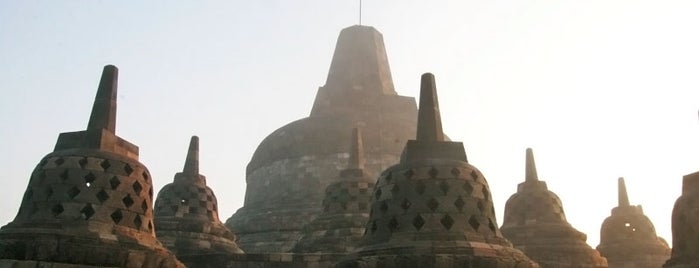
(536,224)
(290,170)
(340,227)
(685,218)
(186,214)
(89,202)
(628,238)
(433,209)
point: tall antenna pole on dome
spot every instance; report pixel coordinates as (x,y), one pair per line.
(360,12)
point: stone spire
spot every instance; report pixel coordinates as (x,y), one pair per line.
(186,214)
(535,222)
(339,228)
(89,202)
(628,238)
(433,209)
(623,196)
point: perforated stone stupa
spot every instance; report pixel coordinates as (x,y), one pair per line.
(89,202)
(186,213)
(535,222)
(685,219)
(340,227)
(290,170)
(628,238)
(433,209)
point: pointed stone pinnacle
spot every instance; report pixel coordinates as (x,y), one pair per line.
(530,169)
(623,196)
(429,120)
(356,154)
(191,165)
(104,109)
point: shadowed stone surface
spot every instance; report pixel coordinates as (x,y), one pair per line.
(291,168)
(340,227)
(628,238)
(685,219)
(433,209)
(89,202)
(186,214)
(536,224)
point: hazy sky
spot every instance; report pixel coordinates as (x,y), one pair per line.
(599,89)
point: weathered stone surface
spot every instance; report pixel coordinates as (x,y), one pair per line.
(89,202)
(433,209)
(535,223)
(685,218)
(291,168)
(186,213)
(340,227)
(628,238)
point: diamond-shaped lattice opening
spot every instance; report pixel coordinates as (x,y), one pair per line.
(481,206)
(444,186)
(144,206)
(114,182)
(150,226)
(459,203)
(59,161)
(418,222)
(433,172)
(378,193)
(393,224)
(389,177)
(433,204)
(455,172)
(57,209)
(89,179)
(486,193)
(64,175)
(137,221)
(87,211)
(447,221)
(102,196)
(474,223)
(128,201)
(117,216)
(383,207)
(420,187)
(145,176)
(28,195)
(150,192)
(468,188)
(83,162)
(474,175)
(405,204)
(105,164)
(73,192)
(409,173)
(491,225)
(137,187)
(395,189)
(128,169)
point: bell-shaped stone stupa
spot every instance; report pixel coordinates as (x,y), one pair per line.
(685,219)
(89,202)
(536,223)
(186,213)
(628,238)
(340,227)
(433,209)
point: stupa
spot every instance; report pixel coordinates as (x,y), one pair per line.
(628,238)
(89,202)
(186,213)
(340,227)
(535,223)
(685,219)
(433,209)
(290,170)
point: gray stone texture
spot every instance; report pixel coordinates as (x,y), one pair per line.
(291,168)
(628,238)
(340,227)
(89,202)
(186,213)
(433,209)
(536,224)
(685,219)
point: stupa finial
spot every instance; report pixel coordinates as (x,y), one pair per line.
(103,114)
(530,169)
(623,196)
(191,165)
(429,120)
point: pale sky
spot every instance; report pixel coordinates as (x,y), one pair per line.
(599,89)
